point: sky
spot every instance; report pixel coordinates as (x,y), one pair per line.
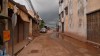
(47,9)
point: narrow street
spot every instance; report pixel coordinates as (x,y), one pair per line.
(50,45)
(49,27)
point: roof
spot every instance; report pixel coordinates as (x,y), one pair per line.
(23,8)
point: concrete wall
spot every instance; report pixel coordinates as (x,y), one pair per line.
(65,16)
(61,8)
(77,25)
(76,21)
(30,27)
(66,23)
(93,5)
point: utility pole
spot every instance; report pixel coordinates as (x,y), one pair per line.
(35,14)
(30,4)
(5,13)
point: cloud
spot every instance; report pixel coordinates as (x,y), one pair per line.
(23,2)
(47,9)
(45,5)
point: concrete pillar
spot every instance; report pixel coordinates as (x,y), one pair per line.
(5,12)
(30,27)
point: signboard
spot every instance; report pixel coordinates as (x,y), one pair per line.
(6,36)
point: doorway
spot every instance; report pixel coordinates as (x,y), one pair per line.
(93,26)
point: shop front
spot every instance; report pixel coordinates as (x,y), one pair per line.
(2,40)
(1,37)
(21,30)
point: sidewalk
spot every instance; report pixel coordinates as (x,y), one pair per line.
(17,47)
(77,47)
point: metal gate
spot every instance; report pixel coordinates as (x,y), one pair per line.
(93,26)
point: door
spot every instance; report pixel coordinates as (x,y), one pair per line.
(20,29)
(93,27)
(1,33)
(26,30)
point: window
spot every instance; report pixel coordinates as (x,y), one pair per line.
(61,1)
(59,16)
(62,14)
(66,10)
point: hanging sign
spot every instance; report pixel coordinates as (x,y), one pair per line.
(6,35)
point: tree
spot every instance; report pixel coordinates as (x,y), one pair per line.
(42,24)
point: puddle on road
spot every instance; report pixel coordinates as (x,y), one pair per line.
(34,51)
(54,35)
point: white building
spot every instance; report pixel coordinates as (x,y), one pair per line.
(81,19)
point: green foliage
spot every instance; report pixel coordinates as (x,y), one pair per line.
(42,24)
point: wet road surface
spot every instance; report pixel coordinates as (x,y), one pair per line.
(51,45)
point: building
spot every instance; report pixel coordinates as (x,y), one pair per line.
(81,19)
(3,24)
(26,24)
(93,21)
(61,15)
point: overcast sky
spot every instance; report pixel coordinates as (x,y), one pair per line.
(47,9)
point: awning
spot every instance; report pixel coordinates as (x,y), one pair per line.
(24,16)
(31,13)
